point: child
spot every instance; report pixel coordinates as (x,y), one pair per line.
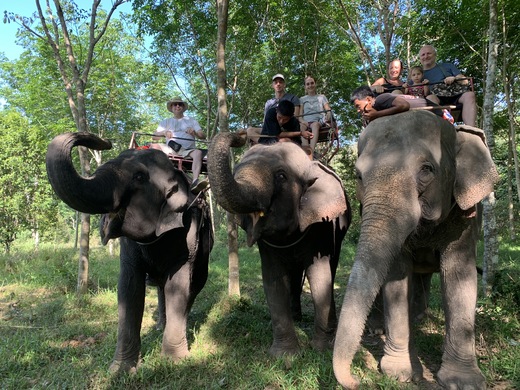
(417,86)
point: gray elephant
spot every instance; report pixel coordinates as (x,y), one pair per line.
(165,234)
(420,181)
(297,211)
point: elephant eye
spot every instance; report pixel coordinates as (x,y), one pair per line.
(426,175)
(140,177)
(281,176)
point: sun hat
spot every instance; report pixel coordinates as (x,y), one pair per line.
(278,76)
(176,100)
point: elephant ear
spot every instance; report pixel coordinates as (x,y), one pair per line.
(476,171)
(173,208)
(324,199)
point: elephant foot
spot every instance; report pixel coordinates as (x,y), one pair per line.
(127,366)
(278,350)
(175,352)
(323,342)
(469,378)
(404,368)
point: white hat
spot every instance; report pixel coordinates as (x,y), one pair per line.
(278,76)
(176,100)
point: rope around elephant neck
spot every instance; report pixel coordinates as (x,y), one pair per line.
(289,245)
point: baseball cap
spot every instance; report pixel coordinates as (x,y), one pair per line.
(278,76)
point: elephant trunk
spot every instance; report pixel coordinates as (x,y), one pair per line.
(383,233)
(249,189)
(93,195)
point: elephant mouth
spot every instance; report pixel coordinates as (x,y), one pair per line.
(111,225)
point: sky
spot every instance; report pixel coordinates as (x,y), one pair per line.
(26,8)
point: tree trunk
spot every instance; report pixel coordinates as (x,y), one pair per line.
(512,165)
(490,229)
(233,260)
(82,286)
(222,20)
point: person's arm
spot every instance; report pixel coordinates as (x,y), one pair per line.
(160,133)
(292,129)
(298,113)
(328,112)
(377,86)
(398,105)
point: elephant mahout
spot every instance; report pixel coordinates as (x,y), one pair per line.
(297,212)
(165,234)
(420,181)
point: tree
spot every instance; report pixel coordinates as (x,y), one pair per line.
(490,229)
(23,180)
(55,32)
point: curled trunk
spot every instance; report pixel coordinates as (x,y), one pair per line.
(93,195)
(249,189)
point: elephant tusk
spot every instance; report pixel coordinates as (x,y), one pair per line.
(256,216)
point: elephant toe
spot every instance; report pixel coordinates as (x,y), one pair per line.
(401,368)
(277,350)
(467,378)
(129,367)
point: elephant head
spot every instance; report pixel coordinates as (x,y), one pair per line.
(419,182)
(276,188)
(140,193)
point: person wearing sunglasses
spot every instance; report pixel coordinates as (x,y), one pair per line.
(181,131)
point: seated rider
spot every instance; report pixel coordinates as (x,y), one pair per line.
(315,111)
(279,86)
(280,125)
(180,132)
(417,85)
(448,73)
(392,84)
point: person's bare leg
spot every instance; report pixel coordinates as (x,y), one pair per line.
(315,128)
(253,133)
(196,165)
(433,98)
(469,108)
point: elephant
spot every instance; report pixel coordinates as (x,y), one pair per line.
(297,212)
(165,234)
(420,181)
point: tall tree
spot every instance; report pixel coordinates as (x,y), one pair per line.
(55,27)
(222,21)
(490,228)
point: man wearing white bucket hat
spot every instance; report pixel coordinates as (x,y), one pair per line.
(180,132)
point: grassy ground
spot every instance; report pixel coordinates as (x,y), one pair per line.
(52,339)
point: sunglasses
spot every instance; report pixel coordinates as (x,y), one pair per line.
(178,104)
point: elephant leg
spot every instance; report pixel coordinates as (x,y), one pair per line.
(325,319)
(277,288)
(376,318)
(130,303)
(421,284)
(296,279)
(161,309)
(459,367)
(400,359)
(178,303)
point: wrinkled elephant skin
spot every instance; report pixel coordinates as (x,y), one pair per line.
(420,181)
(297,212)
(166,236)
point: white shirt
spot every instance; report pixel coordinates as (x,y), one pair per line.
(313,107)
(178,127)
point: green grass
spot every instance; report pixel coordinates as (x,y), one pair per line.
(53,339)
